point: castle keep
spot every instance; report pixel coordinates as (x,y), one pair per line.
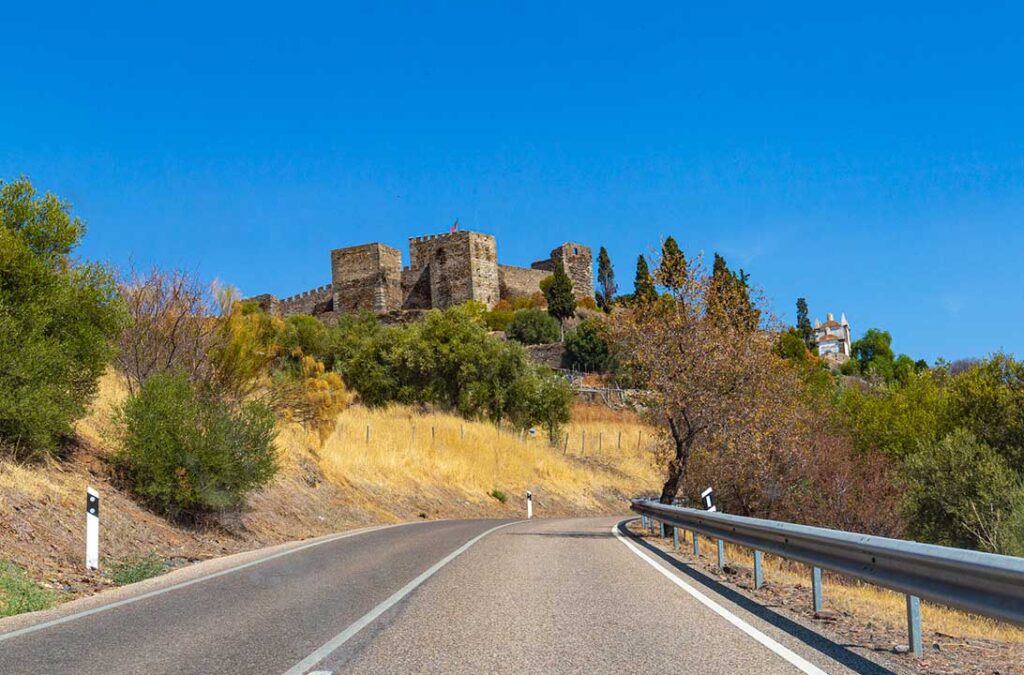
(444,270)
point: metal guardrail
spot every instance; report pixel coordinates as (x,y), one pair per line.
(983,583)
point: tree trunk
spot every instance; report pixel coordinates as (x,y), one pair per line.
(677,467)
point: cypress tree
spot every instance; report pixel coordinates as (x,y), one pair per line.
(672,271)
(803,323)
(643,284)
(561,301)
(606,278)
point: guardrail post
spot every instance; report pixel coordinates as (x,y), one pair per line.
(816,587)
(914,625)
(663,535)
(758,573)
(675,538)
(696,543)
(721,554)
(643,520)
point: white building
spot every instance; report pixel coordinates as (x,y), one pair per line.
(833,338)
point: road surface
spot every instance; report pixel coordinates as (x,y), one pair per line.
(468,596)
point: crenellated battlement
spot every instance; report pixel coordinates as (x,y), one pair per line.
(444,269)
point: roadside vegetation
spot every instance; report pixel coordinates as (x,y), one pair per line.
(18,593)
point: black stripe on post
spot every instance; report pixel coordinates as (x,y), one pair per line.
(92,505)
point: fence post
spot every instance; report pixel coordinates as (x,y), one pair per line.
(638,435)
(758,573)
(462,431)
(414,435)
(914,625)
(600,442)
(816,588)
(566,448)
(583,443)
(92,529)
(367,434)
(432,436)
(619,445)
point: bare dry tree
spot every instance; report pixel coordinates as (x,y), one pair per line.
(171,326)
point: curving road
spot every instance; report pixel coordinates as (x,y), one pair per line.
(471,596)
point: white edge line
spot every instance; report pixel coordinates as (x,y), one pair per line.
(781,650)
(362,622)
(127,601)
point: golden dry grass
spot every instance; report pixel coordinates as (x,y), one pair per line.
(407,451)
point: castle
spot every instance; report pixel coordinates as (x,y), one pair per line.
(444,270)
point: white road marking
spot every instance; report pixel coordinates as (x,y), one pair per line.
(341,638)
(783,651)
(160,591)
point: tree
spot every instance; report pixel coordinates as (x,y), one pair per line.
(533,327)
(671,272)
(803,323)
(728,297)
(58,319)
(606,279)
(588,348)
(987,399)
(561,301)
(643,284)
(706,376)
(963,494)
(874,355)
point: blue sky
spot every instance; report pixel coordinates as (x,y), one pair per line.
(868,157)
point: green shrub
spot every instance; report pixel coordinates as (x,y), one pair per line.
(499,495)
(961,493)
(304,336)
(541,397)
(18,593)
(533,327)
(588,347)
(184,452)
(137,568)
(57,321)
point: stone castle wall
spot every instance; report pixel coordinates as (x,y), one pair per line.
(444,270)
(519,282)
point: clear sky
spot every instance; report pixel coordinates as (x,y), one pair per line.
(867,156)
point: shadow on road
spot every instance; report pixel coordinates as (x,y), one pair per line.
(817,641)
(564,535)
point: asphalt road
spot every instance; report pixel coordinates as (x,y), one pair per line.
(473,596)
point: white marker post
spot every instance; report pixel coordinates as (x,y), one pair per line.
(529,504)
(708,497)
(92,529)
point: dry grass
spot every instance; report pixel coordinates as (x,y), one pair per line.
(865,601)
(409,451)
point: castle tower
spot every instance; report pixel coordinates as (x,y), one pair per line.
(461,266)
(578,262)
(366,278)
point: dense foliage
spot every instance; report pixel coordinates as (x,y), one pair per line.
(589,348)
(533,327)
(447,359)
(58,318)
(186,452)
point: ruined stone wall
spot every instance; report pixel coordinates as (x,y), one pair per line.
(519,282)
(367,277)
(311,302)
(578,262)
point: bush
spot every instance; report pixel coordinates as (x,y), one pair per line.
(533,327)
(588,347)
(499,495)
(184,452)
(57,321)
(18,593)
(962,493)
